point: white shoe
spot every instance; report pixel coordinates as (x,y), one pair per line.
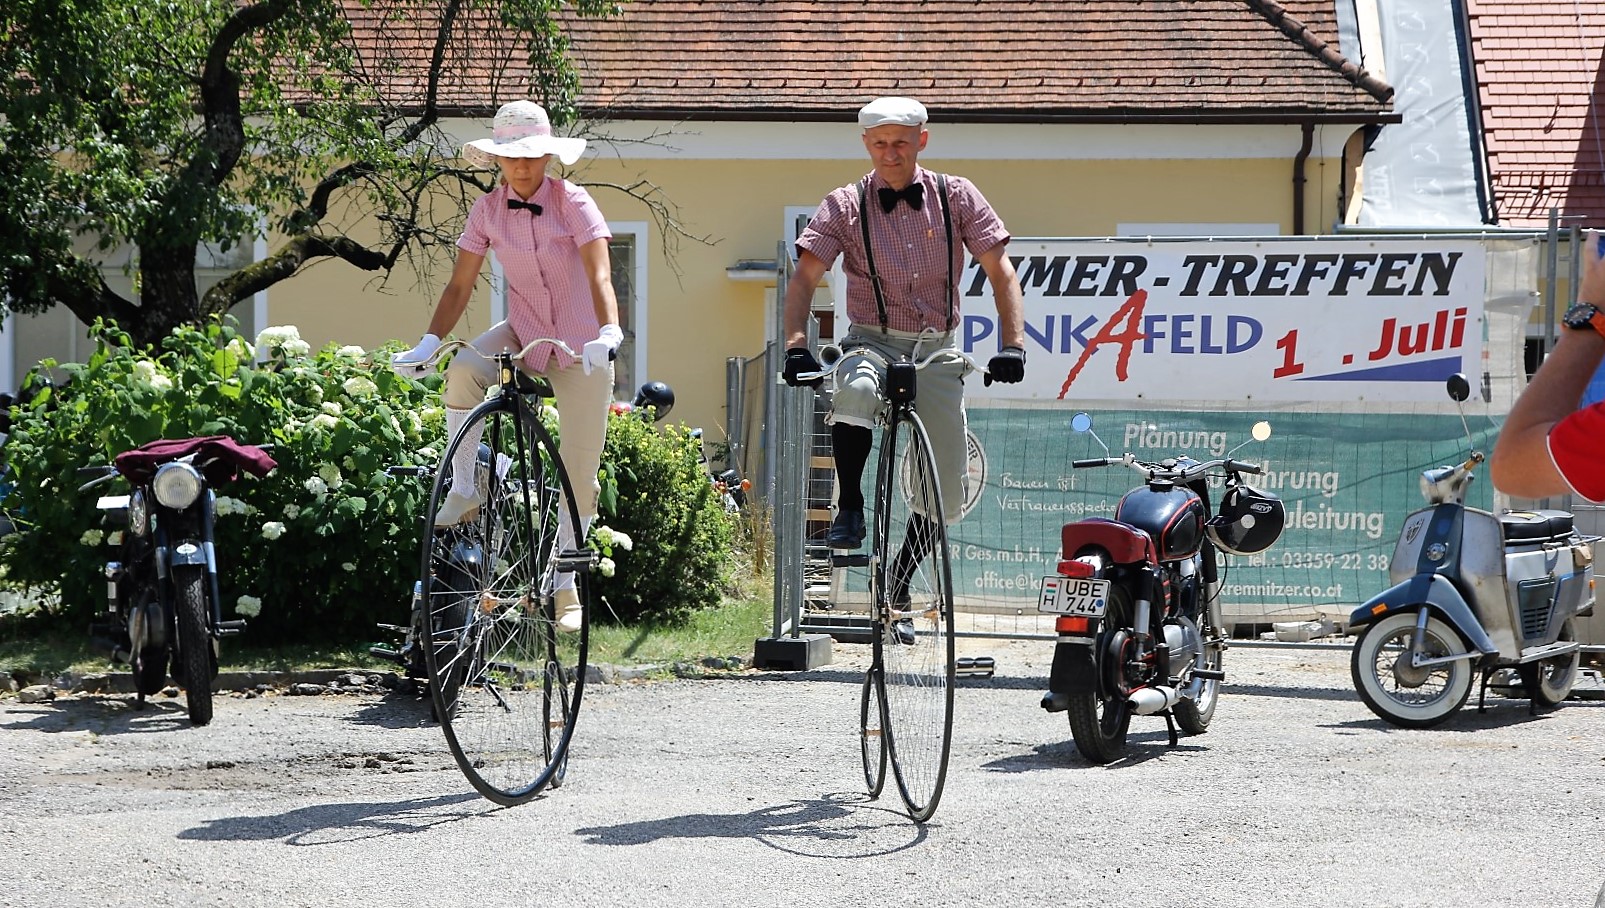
(457,509)
(570,614)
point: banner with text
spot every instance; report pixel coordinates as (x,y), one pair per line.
(1326,319)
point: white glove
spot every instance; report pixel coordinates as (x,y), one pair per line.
(603,350)
(415,362)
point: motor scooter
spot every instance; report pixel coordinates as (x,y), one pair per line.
(1473,593)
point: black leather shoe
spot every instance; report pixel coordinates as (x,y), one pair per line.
(847,530)
(903,631)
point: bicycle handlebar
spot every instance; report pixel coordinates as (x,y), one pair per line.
(833,356)
(1172,472)
(449,346)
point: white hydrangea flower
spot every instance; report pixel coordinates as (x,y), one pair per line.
(349,463)
(115,537)
(324,421)
(330,474)
(622,540)
(275,337)
(606,566)
(92,537)
(351,351)
(225,506)
(240,348)
(428,455)
(249,606)
(549,413)
(358,386)
(316,486)
(292,511)
(314,395)
(432,413)
(273,529)
(348,567)
(161,383)
(332,407)
(144,370)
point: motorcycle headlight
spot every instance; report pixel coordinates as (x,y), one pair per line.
(138,513)
(176,485)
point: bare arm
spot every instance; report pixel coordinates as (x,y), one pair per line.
(599,271)
(800,297)
(1521,463)
(454,299)
(1006,294)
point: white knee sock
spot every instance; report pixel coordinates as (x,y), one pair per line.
(462,462)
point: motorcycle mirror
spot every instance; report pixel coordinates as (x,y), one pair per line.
(1081,422)
(1459,387)
(1261,430)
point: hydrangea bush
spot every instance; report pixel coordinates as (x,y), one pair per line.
(326,546)
(321,549)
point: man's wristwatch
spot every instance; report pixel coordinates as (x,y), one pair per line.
(1584,315)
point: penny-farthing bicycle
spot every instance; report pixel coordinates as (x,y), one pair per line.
(505,684)
(906,704)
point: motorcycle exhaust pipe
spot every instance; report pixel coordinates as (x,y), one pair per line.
(1149,700)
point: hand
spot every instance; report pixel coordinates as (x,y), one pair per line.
(1007,367)
(798,361)
(415,362)
(603,350)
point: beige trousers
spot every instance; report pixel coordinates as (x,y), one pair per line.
(582,405)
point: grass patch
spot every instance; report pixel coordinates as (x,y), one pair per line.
(728,630)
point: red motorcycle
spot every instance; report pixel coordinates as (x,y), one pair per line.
(1137,596)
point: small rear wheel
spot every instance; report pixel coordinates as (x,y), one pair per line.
(871,720)
(1550,681)
(1099,719)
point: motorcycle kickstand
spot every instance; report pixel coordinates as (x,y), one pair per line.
(1482,690)
(1170,726)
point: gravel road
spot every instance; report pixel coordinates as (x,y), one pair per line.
(746,790)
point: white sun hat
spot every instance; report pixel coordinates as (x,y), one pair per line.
(522,130)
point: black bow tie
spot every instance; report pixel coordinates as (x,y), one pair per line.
(514,204)
(913,194)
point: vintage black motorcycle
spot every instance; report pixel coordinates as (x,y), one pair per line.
(1139,624)
(162,602)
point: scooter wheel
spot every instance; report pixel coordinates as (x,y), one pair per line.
(1403,694)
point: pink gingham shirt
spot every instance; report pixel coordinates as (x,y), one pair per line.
(910,249)
(548,294)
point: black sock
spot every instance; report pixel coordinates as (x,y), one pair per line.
(918,541)
(851,445)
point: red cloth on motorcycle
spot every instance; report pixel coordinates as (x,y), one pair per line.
(219,458)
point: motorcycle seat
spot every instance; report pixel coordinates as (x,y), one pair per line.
(1535,526)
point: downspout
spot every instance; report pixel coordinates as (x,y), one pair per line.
(1299,159)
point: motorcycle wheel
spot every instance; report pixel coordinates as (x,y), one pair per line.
(1193,716)
(1410,697)
(1099,720)
(1549,681)
(194,641)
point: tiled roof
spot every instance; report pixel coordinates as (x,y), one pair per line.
(998,60)
(1006,60)
(1540,80)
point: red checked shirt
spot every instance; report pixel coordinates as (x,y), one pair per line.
(548,293)
(1577,446)
(910,249)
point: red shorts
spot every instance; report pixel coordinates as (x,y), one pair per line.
(1577,446)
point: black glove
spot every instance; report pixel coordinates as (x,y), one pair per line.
(1007,367)
(798,361)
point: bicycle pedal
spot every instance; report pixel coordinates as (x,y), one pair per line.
(975,666)
(580,561)
(849,561)
(386,652)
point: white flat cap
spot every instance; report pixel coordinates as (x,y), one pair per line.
(892,111)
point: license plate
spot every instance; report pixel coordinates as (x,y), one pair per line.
(1074,596)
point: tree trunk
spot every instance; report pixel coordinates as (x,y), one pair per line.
(167,296)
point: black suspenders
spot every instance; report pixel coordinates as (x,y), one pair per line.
(869,256)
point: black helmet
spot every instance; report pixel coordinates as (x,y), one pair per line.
(1249,521)
(658,396)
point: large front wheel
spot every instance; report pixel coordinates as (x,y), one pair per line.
(1404,694)
(194,641)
